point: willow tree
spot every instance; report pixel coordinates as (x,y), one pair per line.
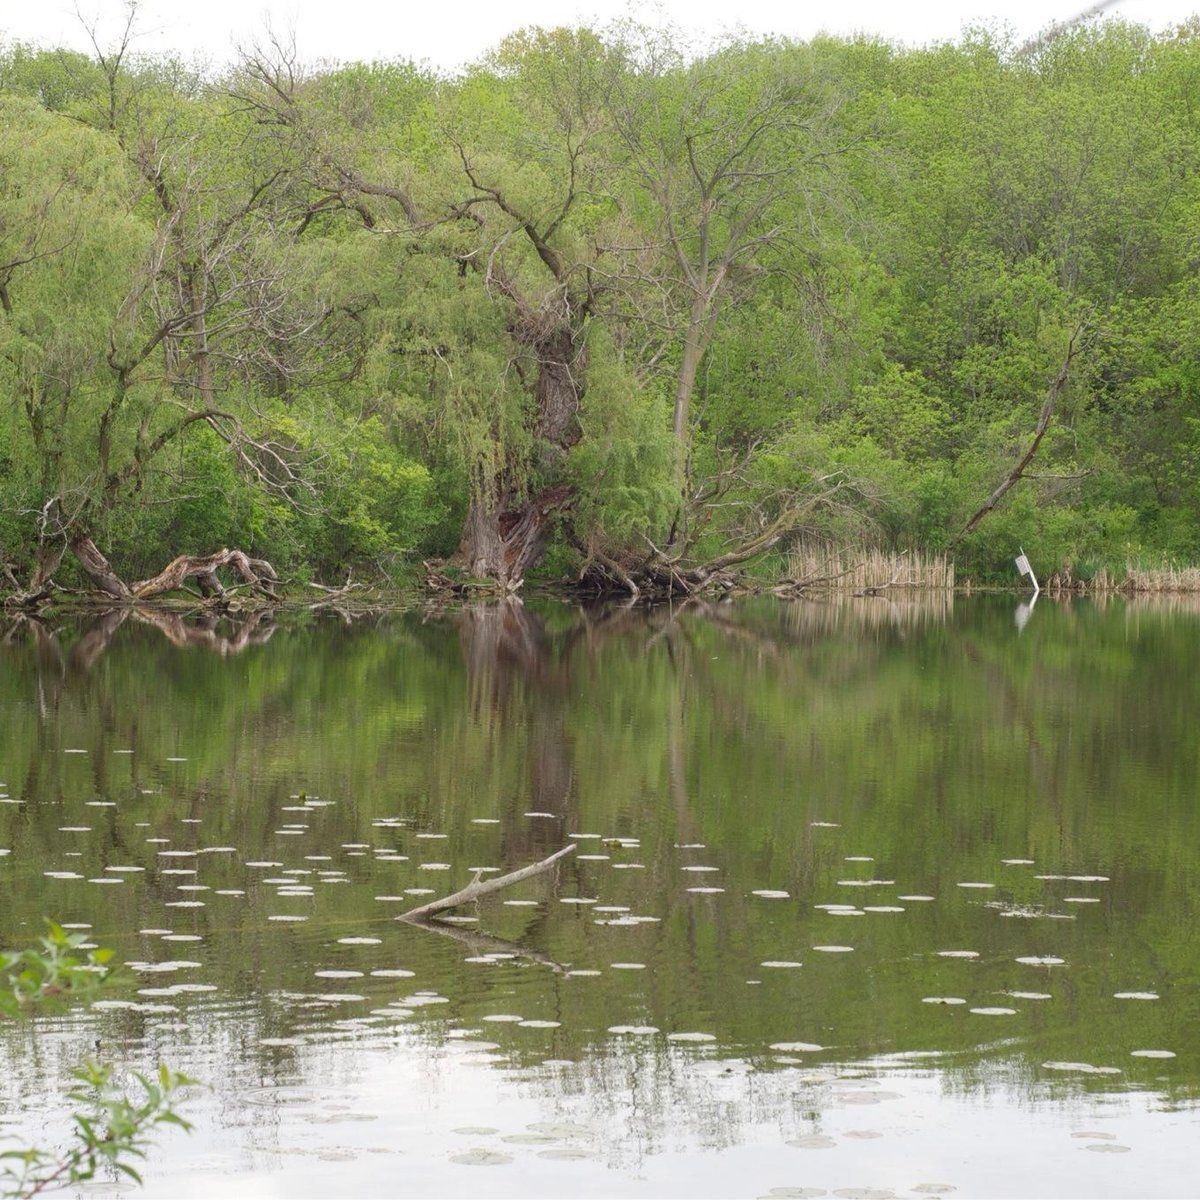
(152,281)
(533,144)
(732,161)
(68,247)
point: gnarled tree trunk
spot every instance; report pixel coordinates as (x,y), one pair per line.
(255,572)
(501,542)
(504,537)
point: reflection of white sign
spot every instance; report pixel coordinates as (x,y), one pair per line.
(1024,611)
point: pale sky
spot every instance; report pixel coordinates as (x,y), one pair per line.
(453,32)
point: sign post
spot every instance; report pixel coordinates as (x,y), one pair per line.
(1025,569)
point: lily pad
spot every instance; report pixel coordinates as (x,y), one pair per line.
(812,1141)
(481,1158)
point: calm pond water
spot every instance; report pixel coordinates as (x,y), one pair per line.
(869,897)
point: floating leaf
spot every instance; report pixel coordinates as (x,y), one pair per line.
(812,1141)
(481,1158)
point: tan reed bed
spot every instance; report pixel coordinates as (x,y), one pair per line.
(1139,580)
(865,568)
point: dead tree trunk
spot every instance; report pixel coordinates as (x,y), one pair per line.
(41,587)
(256,573)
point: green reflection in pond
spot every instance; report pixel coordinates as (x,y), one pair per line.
(1020,811)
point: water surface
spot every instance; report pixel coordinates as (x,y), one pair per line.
(869,897)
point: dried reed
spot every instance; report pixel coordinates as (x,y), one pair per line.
(1139,579)
(865,568)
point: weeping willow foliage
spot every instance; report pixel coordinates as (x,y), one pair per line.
(308,311)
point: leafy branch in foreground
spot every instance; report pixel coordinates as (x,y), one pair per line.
(111,1128)
(51,971)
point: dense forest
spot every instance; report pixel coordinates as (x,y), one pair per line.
(601,306)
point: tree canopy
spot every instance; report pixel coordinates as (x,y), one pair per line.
(601,304)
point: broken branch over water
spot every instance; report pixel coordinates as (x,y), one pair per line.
(478,888)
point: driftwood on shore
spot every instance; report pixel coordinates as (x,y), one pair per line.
(483,887)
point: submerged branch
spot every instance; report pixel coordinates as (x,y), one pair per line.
(478,888)
(484,943)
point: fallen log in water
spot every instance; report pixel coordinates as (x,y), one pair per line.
(477,887)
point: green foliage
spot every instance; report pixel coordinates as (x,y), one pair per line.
(307,314)
(112,1129)
(51,971)
(622,469)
